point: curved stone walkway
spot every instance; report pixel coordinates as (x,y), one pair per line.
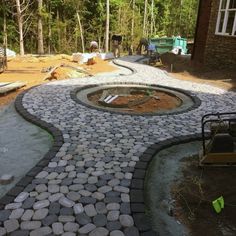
(85,188)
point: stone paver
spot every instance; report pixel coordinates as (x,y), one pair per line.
(85,188)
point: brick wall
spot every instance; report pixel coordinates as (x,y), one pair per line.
(200,40)
(220,51)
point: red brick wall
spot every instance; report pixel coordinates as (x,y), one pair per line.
(220,51)
(203,19)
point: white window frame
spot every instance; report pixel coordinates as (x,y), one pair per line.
(226,11)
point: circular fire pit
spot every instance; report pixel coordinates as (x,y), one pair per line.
(135,99)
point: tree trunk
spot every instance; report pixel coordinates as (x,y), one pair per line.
(152,17)
(145,19)
(20,27)
(81,31)
(49,37)
(132,28)
(4,29)
(40,28)
(107,26)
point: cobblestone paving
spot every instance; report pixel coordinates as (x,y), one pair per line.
(84,190)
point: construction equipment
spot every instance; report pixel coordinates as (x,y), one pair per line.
(220,148)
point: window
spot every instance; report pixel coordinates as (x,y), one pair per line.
(226,22)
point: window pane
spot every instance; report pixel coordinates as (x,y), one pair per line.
(232,4)
(223,5)
(222,16)
(230,22)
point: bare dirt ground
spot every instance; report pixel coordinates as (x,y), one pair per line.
(28,69)
(183,69)
(194,195)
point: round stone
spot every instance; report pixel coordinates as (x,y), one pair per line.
(21,197)
(85,193)
(99,232)
(2,231)
(113,215)
(43,196)
(92,180)
(113,225)
(4,215)
(52,164)
(41,188)
(104,189)
(121,189)
(27,215)
(13,206)
(41,204)
(90,210)
(30,225)
(52,175)
(53,188)
(78,208)
(28,203)
(100,220)
(126,220)
(71,227)
(114,182)
(64,189)
(83,219)
(87,228)
(66,218)
(55,197)
(40,214)
(49,220)
(66,202)
(11,225)
(101,208)
(42,174)
(76,187)
(68,234)
(66,211)
(57,228)
(125,197)
(98,196)
(41,231)
(113,206)
(116,233)
(17,213)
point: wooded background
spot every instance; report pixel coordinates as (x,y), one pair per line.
(66,26)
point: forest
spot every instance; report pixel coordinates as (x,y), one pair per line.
(66,26)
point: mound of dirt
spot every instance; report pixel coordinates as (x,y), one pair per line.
(29,69)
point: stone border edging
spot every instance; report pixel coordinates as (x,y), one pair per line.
(137,189)
(195,99)
(29,176)
(134,71)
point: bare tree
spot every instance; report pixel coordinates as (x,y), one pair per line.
(81,30)
(20,26)
(40,28)
(132,27)
(107,25)
(145,19)
(22,17)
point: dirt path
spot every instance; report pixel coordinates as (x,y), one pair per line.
(28,70)
(183,69)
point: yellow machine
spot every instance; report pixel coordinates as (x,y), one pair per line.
(220,148)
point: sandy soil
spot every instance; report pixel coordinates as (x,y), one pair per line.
(28,70)
(147,104)
(194,195)
(182,68)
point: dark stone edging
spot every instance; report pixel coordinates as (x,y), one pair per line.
(58,141)
(137,190)
(133,71)
(195,99)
